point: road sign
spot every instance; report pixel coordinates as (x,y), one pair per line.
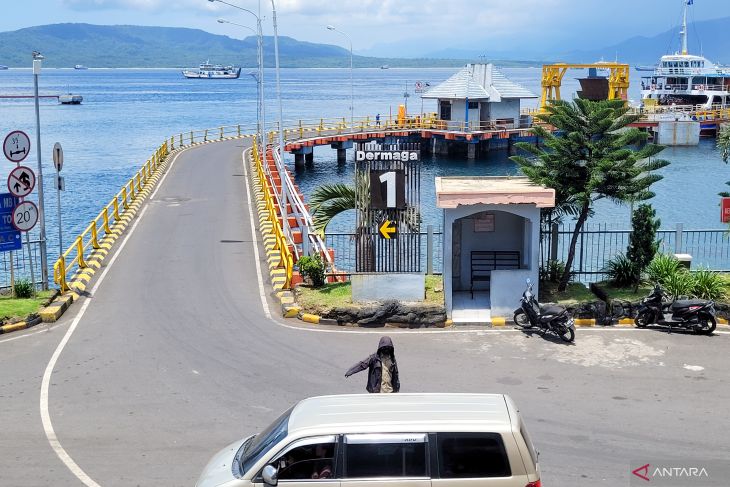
(725,205)
(21,181)
(9,236)
(388,230)
(387,189)
(57,156)
(16,146)
(25,216)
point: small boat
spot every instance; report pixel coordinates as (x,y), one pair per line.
(80,66)
(210,71)
(384,66)
(3,67)
(70,99)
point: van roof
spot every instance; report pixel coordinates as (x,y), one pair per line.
(363,413)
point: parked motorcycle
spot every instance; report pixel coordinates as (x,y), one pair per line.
(658,308)
(546,317)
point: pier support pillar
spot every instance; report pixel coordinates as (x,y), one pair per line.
(441,147)
(471,151)
(300,154)
(309,158)
(342,147)
(341,156)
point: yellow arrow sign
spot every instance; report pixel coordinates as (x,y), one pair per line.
(388,229)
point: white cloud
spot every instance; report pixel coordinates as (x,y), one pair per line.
(139,5)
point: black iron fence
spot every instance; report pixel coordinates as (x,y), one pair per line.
(597,244)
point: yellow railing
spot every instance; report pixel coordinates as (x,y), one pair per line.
(90,239)
(286,259)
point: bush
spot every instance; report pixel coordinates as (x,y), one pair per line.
(662,267)
(313,268)
(622,271)
(679,284)
(24,289)
(708,284)
(643,245)
(552,271)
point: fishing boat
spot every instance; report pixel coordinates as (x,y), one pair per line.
(80,67)
(686,79)
(210,71)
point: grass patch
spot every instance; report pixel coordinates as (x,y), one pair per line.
(626,293)
(575,293)
(320,300)
(20,308)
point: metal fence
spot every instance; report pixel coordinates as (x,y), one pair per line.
(24,264)
(431,248)
(597,244)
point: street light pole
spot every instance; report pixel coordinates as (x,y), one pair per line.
(352,88)
(259,81)
(282,169)
(260,60)
(37,60)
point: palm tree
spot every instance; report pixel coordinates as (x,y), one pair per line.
(590,157)
(328,201)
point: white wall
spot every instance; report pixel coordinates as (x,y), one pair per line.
(458,114)
(507,108)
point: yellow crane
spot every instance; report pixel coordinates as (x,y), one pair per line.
(552,78)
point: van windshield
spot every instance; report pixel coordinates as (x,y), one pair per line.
(262,442)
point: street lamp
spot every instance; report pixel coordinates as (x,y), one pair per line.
(257,76)
(352,89)
(260,60)
(37,60)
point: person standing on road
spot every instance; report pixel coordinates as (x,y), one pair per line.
(382,368)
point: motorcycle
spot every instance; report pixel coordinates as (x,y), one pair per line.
(546,317)
(658,308)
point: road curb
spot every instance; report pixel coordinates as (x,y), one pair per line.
(21,325)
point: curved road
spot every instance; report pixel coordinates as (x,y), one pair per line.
(173,359)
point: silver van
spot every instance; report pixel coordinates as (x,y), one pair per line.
(376,440)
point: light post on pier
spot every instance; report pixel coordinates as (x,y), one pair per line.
(258,77)
(352,89)
(37,60)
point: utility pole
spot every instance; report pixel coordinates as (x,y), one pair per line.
(37,60)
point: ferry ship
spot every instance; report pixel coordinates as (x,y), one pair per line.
(210,71)
(686,79)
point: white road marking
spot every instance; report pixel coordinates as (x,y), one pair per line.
(255,240)
(24,335)
(45,413)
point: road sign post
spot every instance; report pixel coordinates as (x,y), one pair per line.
(37,61)
(58,164)
(16,146)
(9,235)
(21,181)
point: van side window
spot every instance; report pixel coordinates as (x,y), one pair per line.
(472,455)
(368,456)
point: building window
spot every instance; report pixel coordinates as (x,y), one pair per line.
(445,110)
(381,456)
(472,455)
(473,105)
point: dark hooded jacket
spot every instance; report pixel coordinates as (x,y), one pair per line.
(374,366)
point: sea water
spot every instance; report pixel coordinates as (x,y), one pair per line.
(126,114)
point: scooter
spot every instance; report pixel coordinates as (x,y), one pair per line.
(546,317)
(658,308)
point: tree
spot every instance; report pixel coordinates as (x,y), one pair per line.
(643,244)
(590,156)
(328,201)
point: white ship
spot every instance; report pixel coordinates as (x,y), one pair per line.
(683,79)
(210,71)
(80,67)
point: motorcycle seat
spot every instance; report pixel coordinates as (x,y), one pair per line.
(551,309)
(686,303)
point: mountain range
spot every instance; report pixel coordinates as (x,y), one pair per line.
(125,46)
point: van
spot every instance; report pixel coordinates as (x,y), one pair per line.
(376,440)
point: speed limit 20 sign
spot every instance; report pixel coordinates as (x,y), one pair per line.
(25,216)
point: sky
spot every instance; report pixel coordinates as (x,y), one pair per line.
(393,27)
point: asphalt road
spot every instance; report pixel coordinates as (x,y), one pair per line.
(174,358)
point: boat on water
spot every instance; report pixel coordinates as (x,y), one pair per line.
(80,66)
(70,99)
(683,79)
(210,71)
(3,67)
(384,66)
